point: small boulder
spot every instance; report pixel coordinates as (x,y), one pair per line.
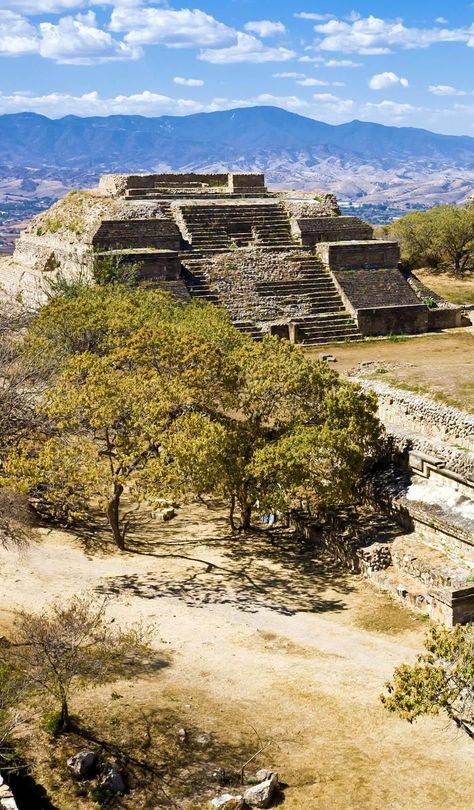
(168,514)
(327,358)
(261,795)
(227,802)
(263,774)
(114,780)
(83,764)
(203,739)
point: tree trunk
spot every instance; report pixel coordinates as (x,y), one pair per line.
(231,514)
(245,515)
(114,516)
(65,719)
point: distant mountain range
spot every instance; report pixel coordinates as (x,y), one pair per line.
(358,161)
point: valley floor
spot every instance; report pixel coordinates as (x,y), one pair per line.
(253,636)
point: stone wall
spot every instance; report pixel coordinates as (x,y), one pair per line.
(138,233)
(421,415)
(234,277)
(246,182)
(408,319)
(358,255)
(445,318)
(333,229)
(116,184)
(153,265)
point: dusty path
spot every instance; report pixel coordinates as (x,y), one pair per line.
(263,636)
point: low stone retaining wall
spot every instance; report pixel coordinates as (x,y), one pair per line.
(421,415)
(358,255)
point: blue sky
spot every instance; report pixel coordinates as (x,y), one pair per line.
(402,63)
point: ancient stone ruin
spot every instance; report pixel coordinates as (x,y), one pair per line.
(284,263)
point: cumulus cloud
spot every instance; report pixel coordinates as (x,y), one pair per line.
(383,80)
(188,82)
(175,29)
(448,90)
(44,6)
(17,36)
(78,41)
(265,28)
(372,35)
(247,49)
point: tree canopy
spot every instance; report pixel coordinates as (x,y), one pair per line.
(160,399)
(441,679)
(442,237)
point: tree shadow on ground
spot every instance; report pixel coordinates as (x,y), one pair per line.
(259,570)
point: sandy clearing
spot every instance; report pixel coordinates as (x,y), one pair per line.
(272,639)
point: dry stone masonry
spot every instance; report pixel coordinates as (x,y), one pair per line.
(284,263)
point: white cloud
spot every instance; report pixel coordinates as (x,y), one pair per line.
(383,80)
(312,83)
(342,63)
(265,28)
(56,105)
(441,20)
(175,29)
(78,41)
(188,82)
(17,36)
(448,90)
(288,75)
(373,35)
(310,15)
(44,6)
(247,49)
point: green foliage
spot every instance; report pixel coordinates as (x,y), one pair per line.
(440,238)
(53,723)
(430,302)
(115,269)
(61,285)
(441,679)
(170,400)
(102,796)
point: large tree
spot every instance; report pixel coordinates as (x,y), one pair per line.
(163,399)
(441,237)
(296,435)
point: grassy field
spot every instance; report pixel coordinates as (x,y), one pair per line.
(440,365)
(456,290)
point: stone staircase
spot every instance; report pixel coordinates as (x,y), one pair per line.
(195,279)
(327,328)
(219,228)
(327,320)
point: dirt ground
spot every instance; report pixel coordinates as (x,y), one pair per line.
(441,365)
(254,637)
(457,290)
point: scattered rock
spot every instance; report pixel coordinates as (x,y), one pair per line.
(219,775)
(114,780)
(228,802)
(263,774)
(182,735)
(328,358)
(203,739)
(261,795)
(168,514)
(83,764)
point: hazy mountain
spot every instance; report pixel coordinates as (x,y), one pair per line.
(356,160)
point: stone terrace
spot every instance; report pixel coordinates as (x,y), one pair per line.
(275,260)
